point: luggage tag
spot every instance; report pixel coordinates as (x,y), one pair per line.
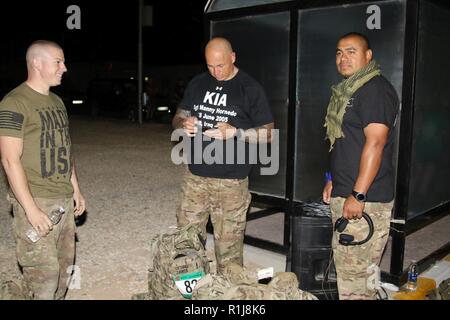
(187,282)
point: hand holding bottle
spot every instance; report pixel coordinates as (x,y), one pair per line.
(54,216)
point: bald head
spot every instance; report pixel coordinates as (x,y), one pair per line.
(219,44)
(220,59)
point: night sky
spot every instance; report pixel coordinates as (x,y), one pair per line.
(109,30)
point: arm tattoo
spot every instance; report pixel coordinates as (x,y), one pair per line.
(262,134)
(180,115)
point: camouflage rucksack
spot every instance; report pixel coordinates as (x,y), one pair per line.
(178,261)
(237,283)
(444,289)
(10,290)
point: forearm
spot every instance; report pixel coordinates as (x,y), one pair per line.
(178,119)
(262,134)
(74,179)
(370,163)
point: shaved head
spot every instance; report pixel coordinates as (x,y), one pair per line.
(220,59)
(219,44)
(352,53)
(39,49)
(45,64)
(360,37)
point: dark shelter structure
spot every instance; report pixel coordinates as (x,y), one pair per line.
(289,47)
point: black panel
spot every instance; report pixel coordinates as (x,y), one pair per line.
(430,161)
(319,30)
(261,44)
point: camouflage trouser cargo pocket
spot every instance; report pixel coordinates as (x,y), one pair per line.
(227,201)
(45,262)
(352,262)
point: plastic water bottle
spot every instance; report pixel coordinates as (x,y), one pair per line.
(54,216)
(411,285)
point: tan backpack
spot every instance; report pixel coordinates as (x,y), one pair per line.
(237,283)
(10,290)
(178,261)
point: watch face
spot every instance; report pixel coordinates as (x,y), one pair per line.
(359,196)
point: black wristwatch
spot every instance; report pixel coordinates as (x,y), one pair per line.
(361,197)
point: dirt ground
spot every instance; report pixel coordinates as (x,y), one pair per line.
(131,188)
(132,191)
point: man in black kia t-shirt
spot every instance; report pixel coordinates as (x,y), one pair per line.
(360,123)
(222,110)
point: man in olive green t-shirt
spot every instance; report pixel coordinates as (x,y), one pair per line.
(35,150)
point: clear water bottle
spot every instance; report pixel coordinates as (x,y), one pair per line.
(411,285)
(54,216)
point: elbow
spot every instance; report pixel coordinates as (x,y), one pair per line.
(6,163)
(376,144)
(175,122)
(374,150)
(270,132)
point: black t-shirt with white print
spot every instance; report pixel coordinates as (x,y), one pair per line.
(375,102)
(242,103)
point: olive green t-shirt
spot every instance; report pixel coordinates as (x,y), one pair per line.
(42,122)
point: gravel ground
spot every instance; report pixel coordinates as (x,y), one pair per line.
(132,190)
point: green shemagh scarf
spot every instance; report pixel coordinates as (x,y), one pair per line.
(341,94)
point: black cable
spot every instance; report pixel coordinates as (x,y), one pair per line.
(325,276)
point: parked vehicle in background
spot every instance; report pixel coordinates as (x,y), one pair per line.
(158,108)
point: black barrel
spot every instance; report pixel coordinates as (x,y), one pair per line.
(311,254)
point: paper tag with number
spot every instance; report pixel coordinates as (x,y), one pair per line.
(187,282)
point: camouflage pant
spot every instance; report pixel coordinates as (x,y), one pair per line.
(227,201)
(45,263)
(352,262)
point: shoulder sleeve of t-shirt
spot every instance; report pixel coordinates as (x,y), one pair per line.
(188,97)
(378,103)
(260,111)
(59,99)
(12,118)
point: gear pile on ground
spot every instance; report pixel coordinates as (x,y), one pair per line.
(11,290)
(175,254)
(180,270)
(444,290)
(237,283)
